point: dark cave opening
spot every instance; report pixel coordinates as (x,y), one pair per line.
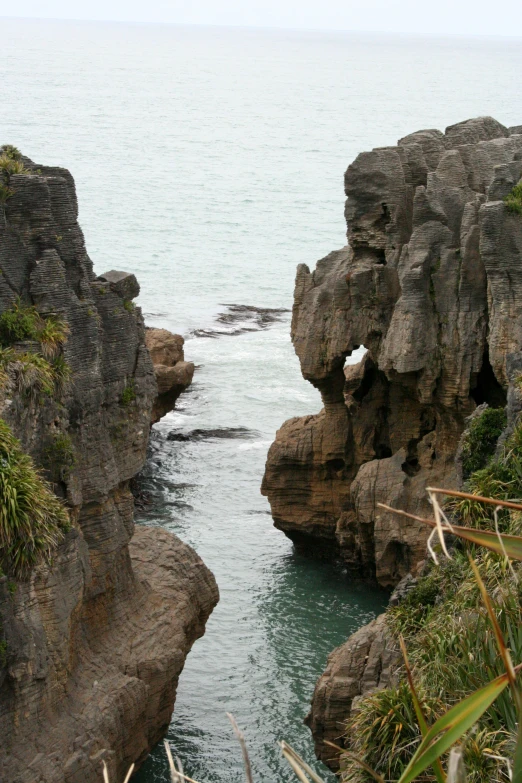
(487,388)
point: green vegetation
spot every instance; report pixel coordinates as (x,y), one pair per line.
(10,166)
(10,151)
(128,395)
(60,455)
(24,322)
(128,305)
(452,645)
(32,519)
(33,374)
(513,200)
(10,163)
(5,193)
(481,439)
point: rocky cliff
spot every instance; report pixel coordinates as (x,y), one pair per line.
(431,285)
(92,643)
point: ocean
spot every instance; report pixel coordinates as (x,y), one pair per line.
(210,161)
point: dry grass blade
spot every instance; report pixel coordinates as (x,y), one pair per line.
(510,545)
(295,766)
(287,749)
(456,769)
(244,751)
(105,773)
(129,773)
(438,514)
(173,771)
(478,498)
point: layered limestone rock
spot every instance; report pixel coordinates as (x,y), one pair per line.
(173,373)
(93,644)
(431,285)
(362,664)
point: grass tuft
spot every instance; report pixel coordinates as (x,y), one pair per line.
(10,165)
(32,519)
(481,439)
(128,395)
(10,151)
(513,200)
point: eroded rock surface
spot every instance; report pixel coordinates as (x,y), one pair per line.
(364,663)
(431,285)
(173,373)
(95,642)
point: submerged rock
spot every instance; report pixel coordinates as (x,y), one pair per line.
(92,643)
(431,285)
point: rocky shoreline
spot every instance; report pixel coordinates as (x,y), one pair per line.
(94,641)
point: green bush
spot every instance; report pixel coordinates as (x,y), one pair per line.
(32,519)
(5,193)
(128,395)
(385,732)
(31,374)
(23,322)
(10,151)
(481,439)
(10,165)
(513,200)
(19,323)
(60,455)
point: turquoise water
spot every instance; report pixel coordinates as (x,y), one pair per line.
(210,162)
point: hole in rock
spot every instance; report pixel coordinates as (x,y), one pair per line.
(487,388)
(380,257)
(356,355)
(411,466)
(335,464)
(382,451)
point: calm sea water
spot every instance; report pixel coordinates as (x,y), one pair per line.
(210,162)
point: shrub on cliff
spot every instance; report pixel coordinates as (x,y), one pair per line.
(480,440)
(513,200)
(32,374)
(452,644)
(32,519)
(21,322)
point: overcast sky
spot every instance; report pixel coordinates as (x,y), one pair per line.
(463,17)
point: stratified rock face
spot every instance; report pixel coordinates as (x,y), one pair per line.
(173,373)
(431,285)
(95,642)
(364,663)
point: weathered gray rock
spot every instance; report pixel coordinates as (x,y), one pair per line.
(431,285)
(173,373)
(364,663)
(124,284)
(95,642)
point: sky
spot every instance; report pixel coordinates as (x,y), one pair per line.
(446,17)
